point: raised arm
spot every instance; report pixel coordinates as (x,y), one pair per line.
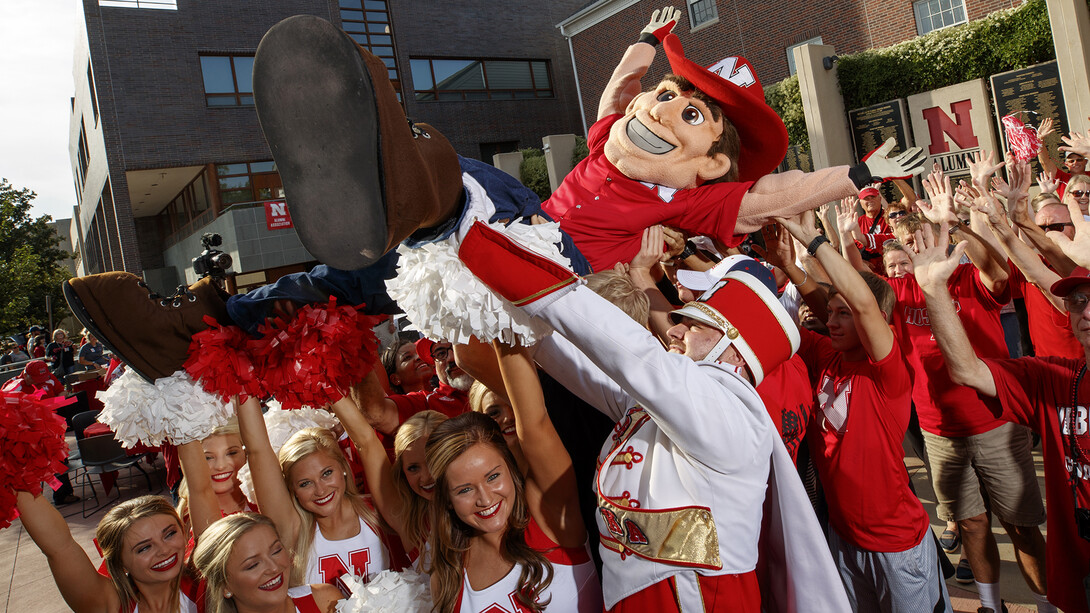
(204,508)
(1047,164)
(625,85)
(1019,253)
(986,257)
(80,584)
(908,195)
(379,411)
(780,252)
(933,268)
(639,270)
(874,331)
(550,467)
(847,225)
(376,464)
(273,497)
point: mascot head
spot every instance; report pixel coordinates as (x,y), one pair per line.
(698,125)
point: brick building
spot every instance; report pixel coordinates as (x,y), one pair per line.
(762,32)
(165,144)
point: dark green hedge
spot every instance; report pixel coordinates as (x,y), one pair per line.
(534,172)
(1002,41)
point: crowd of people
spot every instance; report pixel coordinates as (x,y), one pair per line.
(751,414)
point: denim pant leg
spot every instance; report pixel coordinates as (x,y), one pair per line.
(363,286)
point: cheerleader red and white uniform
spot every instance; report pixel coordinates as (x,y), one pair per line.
(364,555)
(575,586)
(303,599)
(190,600)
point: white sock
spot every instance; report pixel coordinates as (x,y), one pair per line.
(1043,605)
(989,595)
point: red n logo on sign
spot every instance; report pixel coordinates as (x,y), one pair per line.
(939,125)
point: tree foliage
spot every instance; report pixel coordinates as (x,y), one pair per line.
(1002,41)
(30,262)
(534,172)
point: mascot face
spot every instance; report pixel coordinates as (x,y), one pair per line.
(664,138)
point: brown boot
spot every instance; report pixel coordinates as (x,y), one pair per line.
(358,178)
(148,332)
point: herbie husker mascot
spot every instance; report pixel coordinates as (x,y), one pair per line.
(694,153)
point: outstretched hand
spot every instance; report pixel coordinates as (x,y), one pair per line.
(804,232)
(941,208)
(982,167)
(1078,248)
(651,249)
(662,22)
(846,221)
(931,262)
(779,249)
(1076,143)
(1048,182)
(1045,128)
(905,165)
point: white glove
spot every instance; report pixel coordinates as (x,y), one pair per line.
(879,167)
(662,23)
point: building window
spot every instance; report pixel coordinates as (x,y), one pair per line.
(82,155)
(168,5)
(368,23)
(445,79)
(791,52)
(228,80)
(248,182)
(94,94)
(934,15)
(702,12)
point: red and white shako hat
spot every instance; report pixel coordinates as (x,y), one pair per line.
(751,318)
(733,83)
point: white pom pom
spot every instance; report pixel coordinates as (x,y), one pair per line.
(388,592)
(445,301)
(281,425)
(173,409)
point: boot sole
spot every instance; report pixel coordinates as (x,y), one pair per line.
(79,311)
(315,102)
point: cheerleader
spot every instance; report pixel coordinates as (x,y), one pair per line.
(498,540)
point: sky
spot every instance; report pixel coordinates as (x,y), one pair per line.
(36,48)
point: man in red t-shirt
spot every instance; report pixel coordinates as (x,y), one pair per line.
(878,530)
(1049,395)
(966,446)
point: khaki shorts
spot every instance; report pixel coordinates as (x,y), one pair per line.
(1001,460)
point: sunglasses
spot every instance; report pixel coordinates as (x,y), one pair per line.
(1075,303)
(1078,193)
(896,214)
(1055,227)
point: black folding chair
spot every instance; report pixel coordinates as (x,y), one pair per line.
(103,454)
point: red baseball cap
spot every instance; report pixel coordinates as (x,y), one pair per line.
(1063,287)
(733,84)
(423,349)
(867,192)
(37,372)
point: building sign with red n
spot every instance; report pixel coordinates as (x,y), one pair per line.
(952,124)
(276,215)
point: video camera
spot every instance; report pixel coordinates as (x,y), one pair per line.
(212,262)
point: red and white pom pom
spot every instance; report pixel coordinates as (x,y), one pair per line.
(314,359)
(1023,140)
(219,359)
(32,447)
